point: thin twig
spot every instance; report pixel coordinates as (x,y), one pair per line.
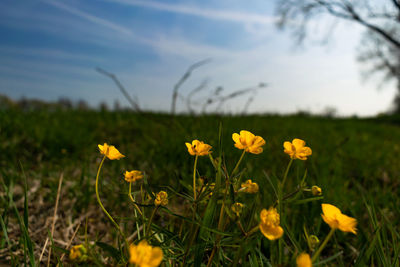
(70,242)
(185,76)
(44,248)
(112,76)
(55,214)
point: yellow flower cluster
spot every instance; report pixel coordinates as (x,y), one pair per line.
(77,253)
(237,208)
(144,255)
(249,187)
(133,176)
(269,224)
(161,199)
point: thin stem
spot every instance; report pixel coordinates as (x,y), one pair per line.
(288,196)
(212,161)
(220,225)
(253,230)
(143,215)
(101,204)
(241,227)
(238,163)
(286,173)
(194,177)
(133,200)
(151,219)
(280,208)
(315,256)
(137,208)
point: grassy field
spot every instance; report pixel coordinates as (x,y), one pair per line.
(354,161)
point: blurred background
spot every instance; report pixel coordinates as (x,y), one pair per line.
(323,57)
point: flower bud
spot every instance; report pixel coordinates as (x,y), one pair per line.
(316,191)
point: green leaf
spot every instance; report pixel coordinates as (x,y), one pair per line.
(113,252)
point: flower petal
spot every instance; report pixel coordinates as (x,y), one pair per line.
(272,233)
(235,137)
(330,211)
(298,143)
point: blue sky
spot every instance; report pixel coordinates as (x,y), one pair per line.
(49,49)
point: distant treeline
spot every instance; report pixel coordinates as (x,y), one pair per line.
(63,103)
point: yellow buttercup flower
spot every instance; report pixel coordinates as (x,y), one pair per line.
(249,142)
(110,151)
(269,224)
(161,199)
(77,252)
(297,149)
(303,260)
(316,190)
(144,255)
(249,187)
(133,176)
(337,220)
(198,148)
(237,208)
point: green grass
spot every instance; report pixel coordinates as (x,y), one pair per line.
(354,161)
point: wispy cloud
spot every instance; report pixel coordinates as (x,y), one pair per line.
(240,17)
(91,18)
(49,53)
(160,42)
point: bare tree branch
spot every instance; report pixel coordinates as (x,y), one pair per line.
(396,3)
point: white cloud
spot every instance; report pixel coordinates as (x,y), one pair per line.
(225,15)
(49,53)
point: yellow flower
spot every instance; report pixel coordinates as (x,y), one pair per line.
(249,142)
(198,148)
(337,220)
(303,260)
(269,224)
(249,187)
(144,255)
(161,199)
(237,208)
(110,151)
(297,149)
(133,176)
(316,190)
(77,252)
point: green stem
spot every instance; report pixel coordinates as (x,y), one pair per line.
(286,173)
(133,200)
(101,204)
(238,163)
(150,220)
(137,208)
(253,230)
(315,256)
(280,209)
(194,177)
(220,226)
(212,161)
